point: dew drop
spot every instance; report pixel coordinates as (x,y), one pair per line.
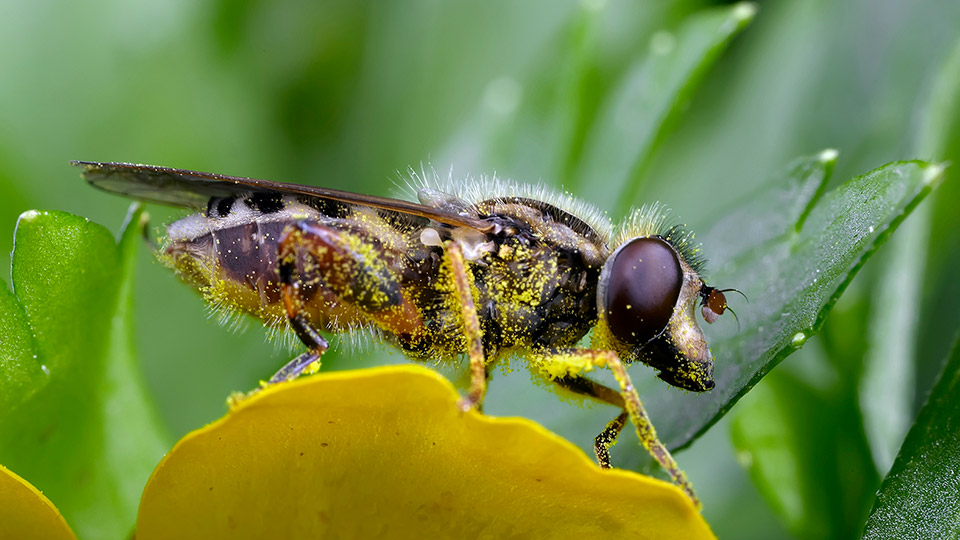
(798,339)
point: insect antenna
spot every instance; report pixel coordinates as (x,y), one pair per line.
(730,309)
(734,313)
(738,291)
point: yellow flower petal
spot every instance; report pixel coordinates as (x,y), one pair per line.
(25,513)
(385,453)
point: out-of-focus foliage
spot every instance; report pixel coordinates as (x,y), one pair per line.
(346,94)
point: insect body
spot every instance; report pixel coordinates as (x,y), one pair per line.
(521,272)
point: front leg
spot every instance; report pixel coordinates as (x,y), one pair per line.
(569,364)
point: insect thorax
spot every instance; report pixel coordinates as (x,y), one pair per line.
(537,287)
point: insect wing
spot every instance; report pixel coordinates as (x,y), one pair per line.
(193,189)
(158,184)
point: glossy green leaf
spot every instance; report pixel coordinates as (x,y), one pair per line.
(886,389)
(84,435)
(634,117)
(792,281)
(792,195)
(21,373)
(919,498)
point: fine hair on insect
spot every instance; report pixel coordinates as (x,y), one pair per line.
(484,269)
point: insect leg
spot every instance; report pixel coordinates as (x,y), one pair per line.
(595,390)
(295,367)
(633,407)
(471,326)
(608,438)
(645,430)
(309,361)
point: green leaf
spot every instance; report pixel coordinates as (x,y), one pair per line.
(792,281)
(886,387)
(792,194)
(918,499)
(85,435)
(635,116)
(21,373)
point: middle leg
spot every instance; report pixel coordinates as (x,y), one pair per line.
(463,287)
(607,437)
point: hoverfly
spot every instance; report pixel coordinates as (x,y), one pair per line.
(525,272)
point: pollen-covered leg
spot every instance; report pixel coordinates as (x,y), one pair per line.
(471,326)
(608,438)
(569,361)
(290,288)
(308,361)
(645,429)
(600,392)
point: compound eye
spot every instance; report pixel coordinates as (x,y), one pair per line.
(641,289)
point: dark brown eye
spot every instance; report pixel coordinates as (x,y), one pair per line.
(641,290)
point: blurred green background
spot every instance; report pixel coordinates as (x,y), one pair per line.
(350,94)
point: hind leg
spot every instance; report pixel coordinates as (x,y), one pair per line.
(290,288)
